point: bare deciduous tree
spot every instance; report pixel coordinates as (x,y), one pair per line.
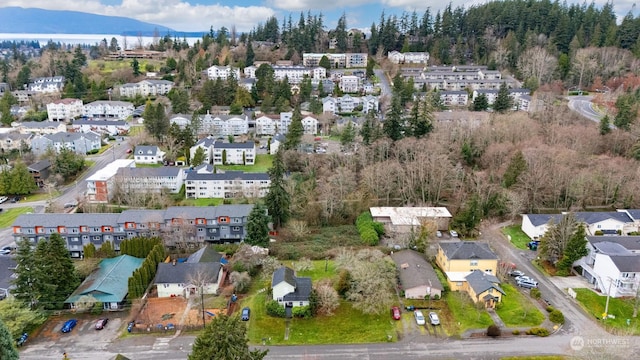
(328,298)
(537,63)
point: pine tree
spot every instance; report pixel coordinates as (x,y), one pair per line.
(224,338)
(59,278)
(575,249)
(258,226)
(250,56)
(198,157)
(26,274)
(480,103)
(503,100)
(278,199)
(295,131)
(516,167)
(393,123)
(8,350)
(605,125)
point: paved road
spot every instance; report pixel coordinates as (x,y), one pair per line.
(584,106)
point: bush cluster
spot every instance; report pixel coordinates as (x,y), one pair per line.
(535,293)
(276,310)
(555,315)
(538,331)
(368,229)
(493,331)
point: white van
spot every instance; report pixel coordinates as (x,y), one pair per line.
(527,283)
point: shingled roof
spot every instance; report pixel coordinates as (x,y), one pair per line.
(415,270)
(480,282)
(467,250)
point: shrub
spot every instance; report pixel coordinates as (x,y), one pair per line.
(275,309)
(556,316)
(516,332)
(369,230)
(302,312)
(493,331)
(436,297)
(598,233)
(97,308)
(538,331)
(499,305)
(535,293)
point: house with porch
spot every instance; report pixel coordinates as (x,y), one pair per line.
(196,276)
(288,289)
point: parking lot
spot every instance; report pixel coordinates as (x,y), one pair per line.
(83,334)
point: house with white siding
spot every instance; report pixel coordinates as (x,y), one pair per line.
(146,88)
(144,154)
(116,110)
(64,109)
(608,222)
(234,153)
(222,72)
(288,289)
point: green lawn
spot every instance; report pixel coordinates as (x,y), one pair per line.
(622,309)
(8,216)
(263,163)
(41,196)
(149,165)
(316,244)
(318,271)
(518,238)
(135,130)
(201,202)
(540,357)
(517,310)
(463,314)
(346,326)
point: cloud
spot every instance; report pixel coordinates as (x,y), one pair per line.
(176,14)
(316,6)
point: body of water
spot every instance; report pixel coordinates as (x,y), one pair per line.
(89,39)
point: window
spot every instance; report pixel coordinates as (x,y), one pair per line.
(235,228)
(473,263)
(459,283)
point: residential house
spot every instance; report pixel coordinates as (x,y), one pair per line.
(7,267)
(47,85)
(108,285)
(77,142)
(222,72)
(460,260)
(289,290)
(407,219)
(146,154)
(417,277)
(108,109)
(15,140)
(100,127)
(189,278)
(349,84)
(234,153)
(64,109)
(135,180)
(612,265)
(40,171)
(190,225)
(40,127)
(606,223)
(146,88)
(230,184)
(101,185)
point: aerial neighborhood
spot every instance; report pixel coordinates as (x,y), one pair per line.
(425,182)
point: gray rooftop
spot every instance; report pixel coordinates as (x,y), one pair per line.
(40,124)
(68,220)
(209,212)
(99,122)
(229,175)
(466,250)
(283,274)
(163,171)
(40,165)
(64,137)
(206,254)
(146,150)
(627,263)
(186,273)
(7,263)
(415,270)
(631,243)
(633,213)
(611,248)
(302,285)
(481,281)
(242,145)
(142,216)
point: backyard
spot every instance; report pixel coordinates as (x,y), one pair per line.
(620,309)
(316,243)
(516,310)
(263,163)
(518,238)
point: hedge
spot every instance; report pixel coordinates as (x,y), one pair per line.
(369,230)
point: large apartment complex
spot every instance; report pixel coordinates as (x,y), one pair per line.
(348,60)
(189,225)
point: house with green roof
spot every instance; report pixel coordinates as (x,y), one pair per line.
(108,284)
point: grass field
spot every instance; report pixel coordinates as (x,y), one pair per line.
(201,202)
(516,309)
(541,357)
(518,238)
(315,245)
(463,314)
(107,67)
(41,196)
(318,271)
(8,216)
(149,165)
(621,309)
(346,326)
(263,163)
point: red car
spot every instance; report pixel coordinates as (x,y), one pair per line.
(101,323)
(395,313)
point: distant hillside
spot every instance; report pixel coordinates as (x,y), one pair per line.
(15,20)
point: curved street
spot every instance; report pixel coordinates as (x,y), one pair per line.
(584,106)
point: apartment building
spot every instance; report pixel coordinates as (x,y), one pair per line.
(223,125)
(47,85)
(190,225)
(64,109)
(408,57)
(222,72)
(146,88)
(100,126)
(293,73)
(349,84)
(273,124)
(230,184)
(80,143)
(100,186)
(40,127)
(133,180)
(344,60)
(234,153)
(109,109)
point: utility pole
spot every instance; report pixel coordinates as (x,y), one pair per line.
(606,306)
(202,303)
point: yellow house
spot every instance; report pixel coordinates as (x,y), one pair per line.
(460,259)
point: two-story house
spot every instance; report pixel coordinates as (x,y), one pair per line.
(146,154)
(288,289)
(202,273)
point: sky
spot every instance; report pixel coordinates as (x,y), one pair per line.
(201,15)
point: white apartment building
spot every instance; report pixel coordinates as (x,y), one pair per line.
(207,146)
(234,153)
(350,83)
(131,179)
(348,103)
(101,126)
(223,125)
(100,186)
(77,142)
(267,124)
(40,127)
(230,184)
(222,72)
(408,57)
(47,85)
(64,109)
(454,98)
(348,60)
(109,109)
(309,123)
(514,94)
(146,88)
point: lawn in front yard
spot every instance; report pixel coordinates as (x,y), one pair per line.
(42,196)
(8,216)
(463,314)
(201,202)
(518,238)
(622,309)
(346,326)
(263,163)
(516,310)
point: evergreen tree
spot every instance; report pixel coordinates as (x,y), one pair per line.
(626,112)
(224,338)
(503,100)
(480,103)
(198,157)
(258,226)
(179,100)
(135,66)
(295,132)
(575,249)
(325,63)
(278,199)
(392,125)
(348,134)
(26,274)
(605,125)
(59,278)
(420,119)
(8,349)
(517,166)
(250,56)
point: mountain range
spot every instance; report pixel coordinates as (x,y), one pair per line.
(17,20)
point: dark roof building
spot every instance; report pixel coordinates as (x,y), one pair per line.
(417,277)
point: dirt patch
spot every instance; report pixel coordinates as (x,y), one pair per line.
(171,310)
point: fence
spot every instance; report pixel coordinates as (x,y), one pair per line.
(162,329)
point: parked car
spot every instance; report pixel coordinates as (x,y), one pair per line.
(129,151)
(130,326)
(246,312)
(524,278)
(69,325)
(527,283)
(433,318)
(101,323)
(419,317)
(439,233)
(3,199)
(516,273)
(453,233)
(395,313)
(5,252)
